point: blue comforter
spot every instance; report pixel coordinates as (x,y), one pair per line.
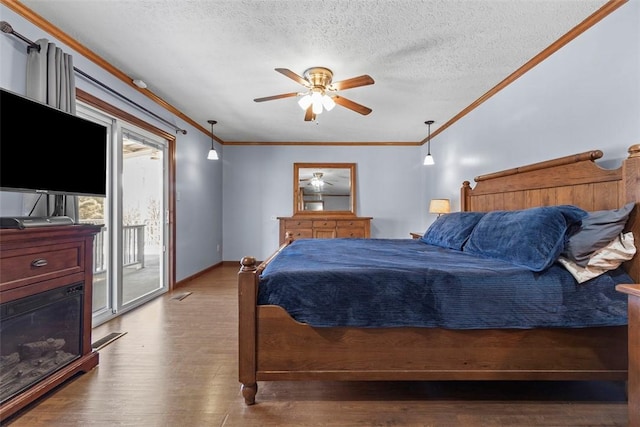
(405,282)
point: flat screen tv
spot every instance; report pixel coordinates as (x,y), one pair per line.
(46,150)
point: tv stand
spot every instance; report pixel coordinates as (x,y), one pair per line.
(21,222)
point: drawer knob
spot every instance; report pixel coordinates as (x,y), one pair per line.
(39,262)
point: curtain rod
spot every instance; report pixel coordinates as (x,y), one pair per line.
(5,27)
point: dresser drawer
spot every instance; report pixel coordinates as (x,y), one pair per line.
(355,232)
(296,224)
(23,266)
(301,233)
(351,224)
(324,224)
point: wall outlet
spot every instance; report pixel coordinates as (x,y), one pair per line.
(274,218)
(218,248)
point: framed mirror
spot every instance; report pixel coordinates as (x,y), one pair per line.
(324,188)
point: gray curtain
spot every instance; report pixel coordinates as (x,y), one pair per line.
(51,80)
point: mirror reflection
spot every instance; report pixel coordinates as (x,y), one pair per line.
(324,187)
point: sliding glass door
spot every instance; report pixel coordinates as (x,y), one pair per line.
(143,230)
(130,256)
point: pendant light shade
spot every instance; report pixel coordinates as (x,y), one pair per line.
(428,159)
(304,102)
(213,154)
(327,102)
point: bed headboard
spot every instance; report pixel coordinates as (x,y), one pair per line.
(571,180)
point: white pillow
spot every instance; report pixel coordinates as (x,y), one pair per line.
(620,249)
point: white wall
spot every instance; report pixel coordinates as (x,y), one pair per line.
(198,181)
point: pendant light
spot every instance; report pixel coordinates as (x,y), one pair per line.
(213,154)
(428,159)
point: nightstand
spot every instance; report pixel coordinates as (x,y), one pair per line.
(633,383)
(415,236)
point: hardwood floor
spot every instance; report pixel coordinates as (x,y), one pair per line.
(177,366)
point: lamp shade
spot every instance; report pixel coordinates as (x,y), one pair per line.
(439,206)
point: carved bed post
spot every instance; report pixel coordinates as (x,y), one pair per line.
(247,304)
(465,200)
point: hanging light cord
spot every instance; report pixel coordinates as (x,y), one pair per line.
(428,137)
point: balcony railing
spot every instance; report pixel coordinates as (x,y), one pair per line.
(132,248)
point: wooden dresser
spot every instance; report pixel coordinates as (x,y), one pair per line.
(308,226)
(56,261)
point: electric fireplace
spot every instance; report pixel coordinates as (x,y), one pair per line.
(39,335)
(46,276)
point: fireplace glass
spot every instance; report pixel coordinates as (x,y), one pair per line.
(39,335)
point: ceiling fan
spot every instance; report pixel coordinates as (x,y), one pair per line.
(320,92)
(316,180)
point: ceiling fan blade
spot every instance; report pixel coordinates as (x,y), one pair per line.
(363,80)
(351,105)
(293,76)
(271,98)
(308,114)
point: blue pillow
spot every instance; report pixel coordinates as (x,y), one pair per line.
(530,238)
(451,230)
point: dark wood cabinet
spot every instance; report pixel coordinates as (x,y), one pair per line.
(42,260)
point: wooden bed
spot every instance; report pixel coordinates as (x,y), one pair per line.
(273,346)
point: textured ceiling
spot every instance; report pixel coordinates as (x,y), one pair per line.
(430,59)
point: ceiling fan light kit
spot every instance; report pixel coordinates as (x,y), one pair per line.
(317,181)
(320,94)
